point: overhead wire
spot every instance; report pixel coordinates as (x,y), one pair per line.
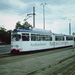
(20,9)
(12,9)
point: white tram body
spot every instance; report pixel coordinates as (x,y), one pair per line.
(38,39)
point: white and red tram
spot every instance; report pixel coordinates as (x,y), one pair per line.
(38,39)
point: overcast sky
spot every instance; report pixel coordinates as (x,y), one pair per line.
(58,14)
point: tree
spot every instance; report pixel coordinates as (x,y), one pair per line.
(18,25)
(73,35)
(8,36)
(2,33)
(5,36)
(24,25)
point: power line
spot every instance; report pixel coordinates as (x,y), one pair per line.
(14,9)
(7,6)
(36,7)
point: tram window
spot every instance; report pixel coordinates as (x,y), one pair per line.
(46,38)
(43,37)
(16,37)
(50,38)
(59,38)
(63,38)
(39,37)
(56,38)
(69,38)
(25,37)
(33,37)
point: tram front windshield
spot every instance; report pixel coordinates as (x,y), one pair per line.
(16,37)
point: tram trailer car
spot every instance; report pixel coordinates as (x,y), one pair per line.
(37,39)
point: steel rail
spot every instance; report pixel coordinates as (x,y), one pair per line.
(60,68)
(72,72)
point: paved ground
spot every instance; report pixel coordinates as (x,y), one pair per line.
(22,66)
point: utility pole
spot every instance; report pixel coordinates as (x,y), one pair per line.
(69,26)
(43,14)
(34,17)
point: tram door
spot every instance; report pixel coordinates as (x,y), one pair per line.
(25,41)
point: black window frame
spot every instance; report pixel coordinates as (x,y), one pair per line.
(40,37)
(25,36)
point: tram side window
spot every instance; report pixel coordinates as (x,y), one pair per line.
(50,38)
(56,38)
(69,38)
(46,37)
(33,37)
(59,38)
(43,38)
(39,37)
(25,37)
(62,38)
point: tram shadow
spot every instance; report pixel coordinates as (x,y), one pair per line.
(39,51)
(33,52)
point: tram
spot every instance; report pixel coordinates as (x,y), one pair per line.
(31,39)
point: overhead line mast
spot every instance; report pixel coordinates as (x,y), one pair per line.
(34,17)
(43,4)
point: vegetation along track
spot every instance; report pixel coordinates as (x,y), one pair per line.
(67,69)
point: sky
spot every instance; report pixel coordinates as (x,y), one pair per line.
(58,14)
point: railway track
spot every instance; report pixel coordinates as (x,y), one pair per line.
(26,53)
(72,73)
(6,55)
(67,69)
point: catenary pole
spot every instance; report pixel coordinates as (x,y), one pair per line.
(69,26)
(43,4)
(34,17)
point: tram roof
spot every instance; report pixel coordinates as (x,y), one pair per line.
(32,31)
(37,31)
